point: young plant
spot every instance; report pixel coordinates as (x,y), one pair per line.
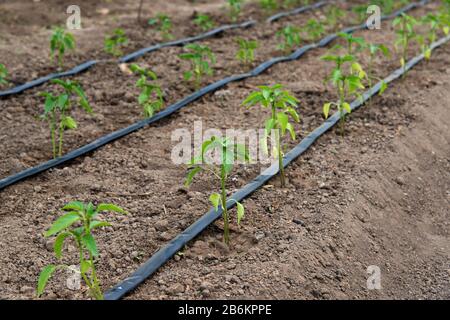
(282,105)
(361,13)
(404,25)
(114,42)
(334,15)
(151,96)
(375,49)
(204,21)
(435,23)
(235,7)
(291,38)
(227,153)
(79,222)
(246,52)
(57,111)
(201,59)
(163,24)
(346,83)
(268,5)
(60,42)
(353,44)
(3,75)
(314,29)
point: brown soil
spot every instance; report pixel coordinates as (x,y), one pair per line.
(377,197)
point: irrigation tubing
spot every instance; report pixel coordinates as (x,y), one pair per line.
(137,54)
(10,180)
(166,253)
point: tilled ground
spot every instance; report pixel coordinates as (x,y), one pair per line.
(378,197)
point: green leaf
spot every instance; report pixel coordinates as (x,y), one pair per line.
(90,210)
(109,207)
(291,130)
(45,275)
(59,243)
(89,241)
(68,123)
(143,98)
(346,107)
(326,109)
(294,114)
(215,200)
(74,205)
(383,87)
(98,224)
(283,121)
(427,54)
(270,124)
(187,75)
(85,105)
(228,160)
(240,212)
(62,101)
(191,174)
(85,266)
(62,223)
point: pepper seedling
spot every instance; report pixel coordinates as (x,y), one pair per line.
(314,29)
(79,222)
(228,152)
(282,105)
(246,52)
(404,25)
(435,23)
(361,13)
(204,21)
(291,38)
(3,75)
(375,49)
(201,58)
(57,111)
(353,44)
(163,24)
(346,83)
(114,42)
(334,15)
(151,96)
(235,7)
(60,42)
(268,5)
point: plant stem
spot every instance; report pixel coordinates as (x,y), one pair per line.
(53,133)
(96,290)
(280,159)
(279,151)
(223,178)
(61,136)
(341,110)
(370,76)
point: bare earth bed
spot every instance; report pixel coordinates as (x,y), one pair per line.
(380,196)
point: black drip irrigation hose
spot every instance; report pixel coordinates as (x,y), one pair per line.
(10,180)
(175,245)
(132,56)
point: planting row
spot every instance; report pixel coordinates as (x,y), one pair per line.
(152,94)
(63,43)
(347,76)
